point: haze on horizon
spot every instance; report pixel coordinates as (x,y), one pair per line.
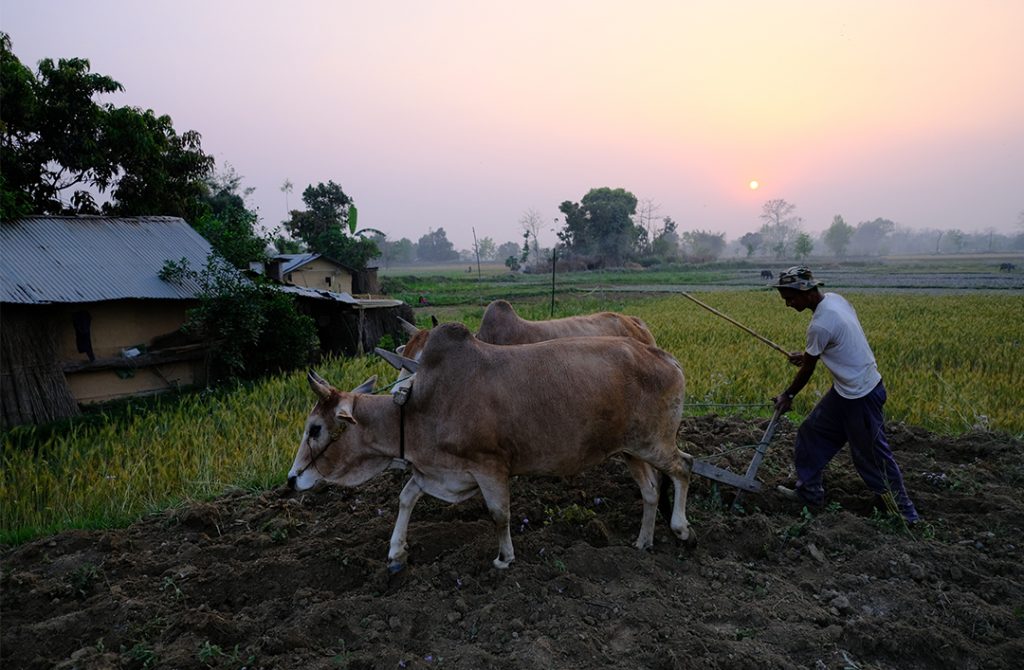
(457,114)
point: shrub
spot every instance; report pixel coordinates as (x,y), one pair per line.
(252,328)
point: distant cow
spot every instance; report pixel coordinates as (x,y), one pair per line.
(1007,267)
(767,274)
(482,413)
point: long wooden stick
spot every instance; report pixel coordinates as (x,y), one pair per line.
(737,323)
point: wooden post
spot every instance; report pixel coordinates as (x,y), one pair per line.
(360,349)
(554,262)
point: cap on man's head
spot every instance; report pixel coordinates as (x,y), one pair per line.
(798,278)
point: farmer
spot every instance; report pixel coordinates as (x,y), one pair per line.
(851,411)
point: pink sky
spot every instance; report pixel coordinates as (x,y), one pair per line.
(467,114)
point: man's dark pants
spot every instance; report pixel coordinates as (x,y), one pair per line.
(833,422)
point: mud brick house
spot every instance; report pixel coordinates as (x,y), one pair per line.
(319,272)
(326,291)
(85,317)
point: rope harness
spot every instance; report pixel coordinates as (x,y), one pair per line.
(401,396)
(333,435)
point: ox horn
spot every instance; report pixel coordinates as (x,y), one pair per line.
(409,329)
(398,362)
(317,383)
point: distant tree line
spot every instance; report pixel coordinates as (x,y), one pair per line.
(62,152)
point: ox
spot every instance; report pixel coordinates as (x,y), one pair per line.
(501,325)
(766,274)
(481,414)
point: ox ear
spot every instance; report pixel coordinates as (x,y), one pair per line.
(433,321)
(367,386)
(409,329)
(319,386)
(345,413)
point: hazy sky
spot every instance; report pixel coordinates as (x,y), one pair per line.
(458,114)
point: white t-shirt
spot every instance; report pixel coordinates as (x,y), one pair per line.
(835,335)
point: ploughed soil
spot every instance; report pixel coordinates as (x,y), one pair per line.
(283,580)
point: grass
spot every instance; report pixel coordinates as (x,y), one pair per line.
(105,473)
(951,364)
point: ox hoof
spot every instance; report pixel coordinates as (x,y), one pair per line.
(502,565)
(690,541)
(644,546)
(394,567)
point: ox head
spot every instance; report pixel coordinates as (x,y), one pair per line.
(331,449)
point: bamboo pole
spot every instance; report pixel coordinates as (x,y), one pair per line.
(737,323)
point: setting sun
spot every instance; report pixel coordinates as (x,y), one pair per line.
(754,185)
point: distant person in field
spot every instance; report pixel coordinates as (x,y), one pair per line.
(851,411)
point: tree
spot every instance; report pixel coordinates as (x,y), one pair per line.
(163,173)
(59,147)
(403,250)
(780,227)
(226,222)
(286,188)
(666,242)
(435,247)
(394,251)
(703,245)
(486,248)
(752,242)
(955,240)
(507,249)
(838,235)
(531,223)
(870,238)
(286,245)
(645,222)
(328,226)
(803,246)
(601,225)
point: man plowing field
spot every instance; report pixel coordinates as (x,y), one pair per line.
(851,411)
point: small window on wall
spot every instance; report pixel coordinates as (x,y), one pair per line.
(328,280)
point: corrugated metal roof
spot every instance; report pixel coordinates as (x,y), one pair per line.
(319,294)
(293,261)
(95,258)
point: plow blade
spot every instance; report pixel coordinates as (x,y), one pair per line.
(745,482)
(726,477)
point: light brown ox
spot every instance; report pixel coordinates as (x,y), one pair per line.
(501,325)
(481,414)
